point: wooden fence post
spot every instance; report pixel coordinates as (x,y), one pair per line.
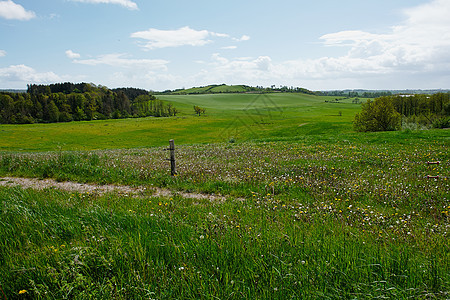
(173,170)
(433,163)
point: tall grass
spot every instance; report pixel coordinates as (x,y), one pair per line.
(61,245)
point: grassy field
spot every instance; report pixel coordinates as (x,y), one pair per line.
(313,209)
(241,117)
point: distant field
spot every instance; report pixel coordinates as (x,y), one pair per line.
(240,117)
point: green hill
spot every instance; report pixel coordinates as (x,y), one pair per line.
(215,89)
(223,88)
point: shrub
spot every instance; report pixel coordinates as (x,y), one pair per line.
(377,115)
(442,123)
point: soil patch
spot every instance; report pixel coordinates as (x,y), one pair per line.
(70,186)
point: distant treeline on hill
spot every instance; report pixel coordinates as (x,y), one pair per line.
(353,94)
(375,93)
(65,102)
(223,88)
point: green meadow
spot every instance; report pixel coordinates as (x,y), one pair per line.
(310,208)
(240,116)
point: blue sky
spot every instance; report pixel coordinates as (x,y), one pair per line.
(169,44)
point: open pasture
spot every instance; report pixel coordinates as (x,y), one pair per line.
(312,209)
(239,116)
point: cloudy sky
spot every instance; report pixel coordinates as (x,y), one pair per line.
(169,44)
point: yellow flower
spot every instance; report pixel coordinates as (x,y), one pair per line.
(22,292)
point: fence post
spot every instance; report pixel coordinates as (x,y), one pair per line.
(433,163)
(173,170)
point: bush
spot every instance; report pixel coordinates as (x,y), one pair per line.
(442,123)
(377,115)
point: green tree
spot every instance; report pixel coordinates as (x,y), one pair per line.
(79,114)
(6,108)
(377,115)
(198,110)
(53,112)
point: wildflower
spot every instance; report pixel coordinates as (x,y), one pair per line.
(22,292)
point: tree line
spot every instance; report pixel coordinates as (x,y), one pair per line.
(65,102)
(393,112)
(354,94)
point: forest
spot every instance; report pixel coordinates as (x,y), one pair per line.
(404,112)
(66,102)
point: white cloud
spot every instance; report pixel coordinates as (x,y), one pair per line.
(239,69)
(12,11)
(125,3)
(173,38)
(2,53)
(184,36)
(229,47)
(72,55)
(222,35)
(420,43)
(242,38)
(21,74)
(121,60)
(350,37)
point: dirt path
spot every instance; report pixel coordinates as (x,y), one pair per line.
(70,186)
